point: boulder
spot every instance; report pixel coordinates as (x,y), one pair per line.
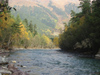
(15,70)
(3,60)
(97,56)
(5,72)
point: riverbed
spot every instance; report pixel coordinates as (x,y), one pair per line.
(54,62)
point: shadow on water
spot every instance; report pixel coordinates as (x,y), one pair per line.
(76,54)
(54,62)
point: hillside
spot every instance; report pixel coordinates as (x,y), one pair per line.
(48,15)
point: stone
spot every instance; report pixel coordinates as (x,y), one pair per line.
(15,71)
(3,60)
(97,56)
(5,72)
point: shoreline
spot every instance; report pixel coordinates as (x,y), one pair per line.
(7,53)
(36,48)
(11,69)
(15,49)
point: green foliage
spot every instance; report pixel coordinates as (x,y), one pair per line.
(56,41)
(50,12)
(25,22)
(14,32)
(41,42)
(73,13)
(35,30)
(85,5)
(57,10)
(18,19)
(70,7)
(31,27)
(84,29)
(9,29)
(41,16)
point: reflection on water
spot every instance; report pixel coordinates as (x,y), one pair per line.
(53,62)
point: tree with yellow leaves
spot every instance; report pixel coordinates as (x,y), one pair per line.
(9,28)
(56,41)
(47,41)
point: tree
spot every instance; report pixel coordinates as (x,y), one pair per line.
(9,28)
(34,30)
(25,22)
(85,5)
(56,42)
(18,19)
(72,13)
(66,27)
(84,28)
(94,19)
(31,27)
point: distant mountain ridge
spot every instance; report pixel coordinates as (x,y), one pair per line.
(47,14)
(60,3)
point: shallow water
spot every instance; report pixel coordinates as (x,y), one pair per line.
(53,62)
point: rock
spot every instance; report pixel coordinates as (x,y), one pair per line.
(22,66)
(4,54)
(14,61)
(97,56)
(28,71)
(15,71)
(3,60)
(11,70)
(6,72)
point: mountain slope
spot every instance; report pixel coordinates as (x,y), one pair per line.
(47,14)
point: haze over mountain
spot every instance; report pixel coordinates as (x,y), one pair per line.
(57,3)
(48,15)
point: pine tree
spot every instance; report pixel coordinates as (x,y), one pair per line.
(31,27)
(35,30)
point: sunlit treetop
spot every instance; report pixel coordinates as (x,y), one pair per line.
(3,4)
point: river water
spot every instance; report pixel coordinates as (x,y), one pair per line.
(54,62)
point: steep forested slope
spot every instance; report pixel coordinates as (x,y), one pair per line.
(45,17)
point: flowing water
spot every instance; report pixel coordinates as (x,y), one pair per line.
(54,62)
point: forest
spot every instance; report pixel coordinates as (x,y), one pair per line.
(18,33)
(34,53)
(39,16)
(82,33)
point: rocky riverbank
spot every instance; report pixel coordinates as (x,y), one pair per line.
(10,69)
(7,68)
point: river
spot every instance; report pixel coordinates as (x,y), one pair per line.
(54,62)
